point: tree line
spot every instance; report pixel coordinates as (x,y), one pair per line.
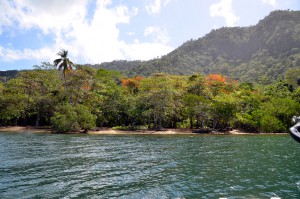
(76,98)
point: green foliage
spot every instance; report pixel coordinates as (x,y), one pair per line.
(68,118)
(281,110)
(224,109)
(89,98)
(1,88)
(63,63)
(260,53)
(14,102)
(40,86)
(278,89)
(270,123)
(292,76)
(44,66)
(125,128)
(196,107)
(161,97)
(296,95)
(13,107)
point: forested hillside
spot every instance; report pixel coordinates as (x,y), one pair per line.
(75,98)
(79,99)
(260,53)
(5,75)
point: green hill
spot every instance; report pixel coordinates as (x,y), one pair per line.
(260,53)
(6,75)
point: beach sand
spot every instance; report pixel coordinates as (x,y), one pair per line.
(21,129)
(101,131)
(109,131)
(143,132)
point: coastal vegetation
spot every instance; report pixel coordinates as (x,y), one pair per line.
(233,77)
(80,98)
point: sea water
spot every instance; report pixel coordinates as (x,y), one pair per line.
(148,166)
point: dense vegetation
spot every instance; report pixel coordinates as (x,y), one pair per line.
(260,53)
(233,77)
(79,98)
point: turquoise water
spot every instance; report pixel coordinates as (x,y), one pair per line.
(148,166)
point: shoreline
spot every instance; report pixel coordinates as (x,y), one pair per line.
(22,129)
(109,131)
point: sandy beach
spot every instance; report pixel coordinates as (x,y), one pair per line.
(143,132)
(109,131)
(21,129)
(103,131)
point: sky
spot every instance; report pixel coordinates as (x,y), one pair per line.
(96,31)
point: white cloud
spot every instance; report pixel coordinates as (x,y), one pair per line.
(160,36)
(10,55)
(5,17)
(89,41)
(155,6)
(272,3)
(49,16)
(224,9)
(130,33)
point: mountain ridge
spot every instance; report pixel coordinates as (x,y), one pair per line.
(263,51)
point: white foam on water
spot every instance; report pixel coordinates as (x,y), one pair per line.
(298,184)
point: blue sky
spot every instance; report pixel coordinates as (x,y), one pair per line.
(96,31)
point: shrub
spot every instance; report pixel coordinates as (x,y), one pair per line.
(271,124)
(68,118)
(121,128)
(130,128)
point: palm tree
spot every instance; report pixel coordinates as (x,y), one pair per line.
(63,63)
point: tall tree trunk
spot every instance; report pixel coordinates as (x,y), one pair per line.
(155,120)
(37,120)
(215,123)
(175,123)
(191,122)
(198,121)
(159,121)
(149,122)
(16,121)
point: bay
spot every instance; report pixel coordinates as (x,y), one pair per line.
(148,166)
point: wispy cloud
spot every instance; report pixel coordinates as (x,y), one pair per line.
(155,6)
(272,3)
(160,36)
(224,9)
(10,55)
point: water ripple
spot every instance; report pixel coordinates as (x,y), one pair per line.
(71,166)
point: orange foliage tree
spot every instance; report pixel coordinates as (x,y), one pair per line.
(213,79)
(132,84)
(218,83)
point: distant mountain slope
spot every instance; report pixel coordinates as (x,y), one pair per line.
(6,75)
(257,53)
